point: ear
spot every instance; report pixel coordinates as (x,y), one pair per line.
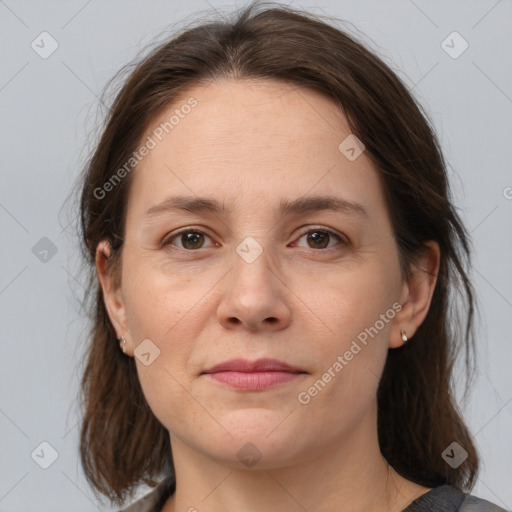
(416,294)
(112,296)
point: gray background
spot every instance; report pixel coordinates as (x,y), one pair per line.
(49,111)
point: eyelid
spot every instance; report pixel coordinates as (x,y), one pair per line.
(342,237)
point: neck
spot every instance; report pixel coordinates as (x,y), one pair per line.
(349,474)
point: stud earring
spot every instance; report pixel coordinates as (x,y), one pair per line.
(403,335)
(122,344)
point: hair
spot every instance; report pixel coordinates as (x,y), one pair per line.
(122,443)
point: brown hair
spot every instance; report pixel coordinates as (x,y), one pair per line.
(122,443)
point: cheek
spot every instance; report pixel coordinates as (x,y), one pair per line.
(160,309)
(156,302)
(355,313)
(346,303)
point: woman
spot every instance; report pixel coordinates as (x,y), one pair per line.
(268,222)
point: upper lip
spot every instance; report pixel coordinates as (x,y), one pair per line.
(260,365)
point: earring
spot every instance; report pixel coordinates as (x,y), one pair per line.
(122,344)
(404,336)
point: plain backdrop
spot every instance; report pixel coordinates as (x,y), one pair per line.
(48,115)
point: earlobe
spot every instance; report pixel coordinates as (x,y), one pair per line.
(416,296)
(111,287)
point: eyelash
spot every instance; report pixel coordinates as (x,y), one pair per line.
(340,237)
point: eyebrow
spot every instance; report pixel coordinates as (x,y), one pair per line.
(301,205)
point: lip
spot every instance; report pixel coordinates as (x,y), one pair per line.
(253,375)
(260,365)
(253,381)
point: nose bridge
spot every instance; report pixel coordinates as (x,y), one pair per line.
(252,267)
(252,231)
(254,294)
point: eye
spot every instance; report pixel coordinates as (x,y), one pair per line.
(321,238)
(190,239)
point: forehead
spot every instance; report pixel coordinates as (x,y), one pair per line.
(239,116)
(251,139)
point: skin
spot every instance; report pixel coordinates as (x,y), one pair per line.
(249,144)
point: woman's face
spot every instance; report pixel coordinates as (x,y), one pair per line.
(304,284)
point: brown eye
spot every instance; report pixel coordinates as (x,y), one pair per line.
(320,238)
(190,239)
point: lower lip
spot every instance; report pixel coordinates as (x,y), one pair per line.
(254,381)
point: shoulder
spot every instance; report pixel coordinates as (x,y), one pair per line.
(449,498)
(473,504)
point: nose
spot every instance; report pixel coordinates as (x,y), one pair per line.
(254,297)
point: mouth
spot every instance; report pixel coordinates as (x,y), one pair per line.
(260,365)
(253,375)
(254,381)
